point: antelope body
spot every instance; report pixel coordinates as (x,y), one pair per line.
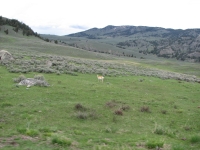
(100,78)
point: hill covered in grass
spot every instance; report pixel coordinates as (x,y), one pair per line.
(149,103)
(183,45)
(16,27)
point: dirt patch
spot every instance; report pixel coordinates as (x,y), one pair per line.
(8,141)
(11,141)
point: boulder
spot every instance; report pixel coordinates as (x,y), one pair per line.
(5,55)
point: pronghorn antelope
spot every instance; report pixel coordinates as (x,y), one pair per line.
(100,78)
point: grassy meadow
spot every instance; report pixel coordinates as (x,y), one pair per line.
(78,112)
(142,103)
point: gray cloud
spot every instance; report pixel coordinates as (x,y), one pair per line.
(79,27)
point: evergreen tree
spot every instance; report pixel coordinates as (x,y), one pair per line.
(6,31)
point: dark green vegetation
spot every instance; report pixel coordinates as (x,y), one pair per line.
(141,104)
(141,42)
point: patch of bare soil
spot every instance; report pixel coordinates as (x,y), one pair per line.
(11,141)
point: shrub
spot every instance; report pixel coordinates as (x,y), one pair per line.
(29,132)
(118,112)
(82,115)
(125,108)
(195,139)
(48,134)
(80,107)
(78,132)
(39,77)
(58,73)
(71,73)
(61,141)
(111,104)
(6,31)
(159,131)
(163,111)
(108,130)
(6,105)
(187,128)
(145,109)
(114,119)
(93,115)
(32,133)
(19,79)
(41,83)
(154,144)
(22,130)
(179,111)
(45,130)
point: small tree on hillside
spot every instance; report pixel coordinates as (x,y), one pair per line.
(16,29)
(6,31)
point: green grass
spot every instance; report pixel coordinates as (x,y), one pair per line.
(78,112)
(18,43)
(48,115)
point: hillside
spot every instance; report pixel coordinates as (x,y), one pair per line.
(30,47)
(19,38)
(128,41)
(16,27)
(145,102)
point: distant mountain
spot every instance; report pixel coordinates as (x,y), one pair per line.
(113,31)
(169,43)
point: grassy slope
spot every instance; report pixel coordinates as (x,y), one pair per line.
(16,43)
(49,112)
(53,109)
(148,61)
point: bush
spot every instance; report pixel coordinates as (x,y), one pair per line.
(187,128)
(6,31)
(82,115)
(93,115)
(29,132)
(154,144)
(163,111)
(71,73)
(195,139)
(118,112)
(61,141)
(32,133)
(80,107)
(111,104)
(19,79)
(6,105)
(145,109)
(47,134)
(39,77)
(44,130)
(41,83)
(22,130)
(125,108)
(159,131)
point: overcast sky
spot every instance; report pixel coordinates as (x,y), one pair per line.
(62,17)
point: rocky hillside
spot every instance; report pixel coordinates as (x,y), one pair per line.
(170,43)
